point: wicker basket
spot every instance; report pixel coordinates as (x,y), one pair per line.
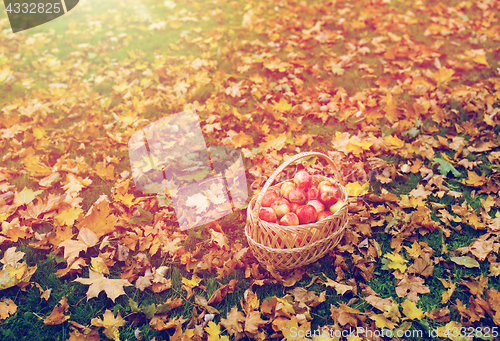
(289,247)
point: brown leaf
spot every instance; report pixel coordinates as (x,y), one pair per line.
(220,293)
(253,322)
(234,323)
(7,308)
(411,286)
(57,316)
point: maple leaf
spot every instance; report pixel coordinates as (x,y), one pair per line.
(336,69)
(474,180)
(15,272)
(7,308)
(220,293)
(382,322)
(294,332)
(25,196)
(411,286)
(72,248)
(234,323)
(253,322)
(99,218)
(447,294)
(110,324)
(68,216)
(443,75)
(282,105)
(57,316)
(213,331)
(340,288)
(98,283)
(75,184)
(394,261)
(355,189)
(411,311)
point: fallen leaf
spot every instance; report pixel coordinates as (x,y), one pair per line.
(57,316)
(98,283)
(110,324)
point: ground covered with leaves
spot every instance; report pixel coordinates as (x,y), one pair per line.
(402,95)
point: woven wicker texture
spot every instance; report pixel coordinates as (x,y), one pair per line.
(289,247)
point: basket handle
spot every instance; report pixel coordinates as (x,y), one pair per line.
(285,164)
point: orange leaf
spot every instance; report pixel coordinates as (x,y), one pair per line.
(57,316)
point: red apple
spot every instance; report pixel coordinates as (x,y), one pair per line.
(313,193)
(281,207)
(302,179)
(298,195)
(335,207)
(268,214)
(323,183)
(269,198)
(329,194)
(318,205)
(307,214)
(286,188)
(322,215)
(293,207)
(289,219)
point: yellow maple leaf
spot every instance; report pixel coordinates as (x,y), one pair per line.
(105,172)
(382,322)
(127,199)
(68,216)
(480,57)
(395,141)
(25,196)
(241,140)
(282,105)
(274,142)
(110,324)
(337,69)
(411,311)
(98,283)
(443,75)
(72,248)
(355,189)
(474,180)
(213,331)
(395,261)
(357,147)
(99,218)
(193,282)
(296,332)
(414,251)
(448,330)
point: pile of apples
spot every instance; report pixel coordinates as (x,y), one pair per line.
(301,202)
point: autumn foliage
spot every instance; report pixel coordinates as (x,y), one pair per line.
(403,95)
